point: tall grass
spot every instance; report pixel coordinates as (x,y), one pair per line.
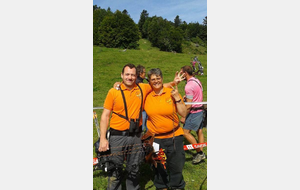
(107,67)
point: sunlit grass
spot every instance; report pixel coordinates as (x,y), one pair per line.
(108,64)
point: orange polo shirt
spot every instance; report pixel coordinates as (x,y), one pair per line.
(114,102)
(162,114)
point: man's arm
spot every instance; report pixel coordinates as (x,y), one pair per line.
(104,146)
(179,76)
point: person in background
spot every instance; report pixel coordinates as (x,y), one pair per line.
(141,73)
(193,119)
(162,106)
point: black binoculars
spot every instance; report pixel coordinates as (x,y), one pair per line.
(134,125)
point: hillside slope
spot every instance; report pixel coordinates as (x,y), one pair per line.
(108,64)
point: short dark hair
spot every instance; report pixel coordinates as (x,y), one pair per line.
(156,72)
(139,69)
(130,65)
(187,69)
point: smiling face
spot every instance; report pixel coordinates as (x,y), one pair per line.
(156,82)
(129,77)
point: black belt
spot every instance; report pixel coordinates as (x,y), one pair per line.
(124,133)
(197,108)
(167,133)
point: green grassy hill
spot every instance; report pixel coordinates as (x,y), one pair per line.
(107,67)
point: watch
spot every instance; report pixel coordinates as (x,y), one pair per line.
(178,101)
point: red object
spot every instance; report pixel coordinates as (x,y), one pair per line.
(161,157)
(193,146)
(95,161)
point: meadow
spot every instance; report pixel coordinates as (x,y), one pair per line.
(107,67)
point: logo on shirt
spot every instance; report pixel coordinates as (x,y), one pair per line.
(138,94)
(169,100)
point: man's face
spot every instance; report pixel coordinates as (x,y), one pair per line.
(129,76)
(143,73)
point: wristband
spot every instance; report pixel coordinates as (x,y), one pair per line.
(178,101)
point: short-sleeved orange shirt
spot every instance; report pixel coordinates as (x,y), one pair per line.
(114,102)
(162,114)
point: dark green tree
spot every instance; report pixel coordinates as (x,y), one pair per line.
(176,39)
(154,27)
(125,12)
(118,31)
(145,27)
(202,32)
(177,21)
(95,7)
(162,34)
(184,30)
(195,31)
(205,21)
(108,10)
(98,16)
(143,18)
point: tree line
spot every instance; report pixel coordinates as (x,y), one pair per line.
(118,30)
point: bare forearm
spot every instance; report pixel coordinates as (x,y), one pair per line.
(181,109)
(104,123)
(103,128)
(170,84)
(188,109)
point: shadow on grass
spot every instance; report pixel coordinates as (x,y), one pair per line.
(203,183)
(146,177)
(99,173)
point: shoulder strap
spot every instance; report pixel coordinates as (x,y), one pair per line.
(125,105)
(197,83)
(141,108)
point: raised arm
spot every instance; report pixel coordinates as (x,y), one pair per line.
(181,109)
(179,76)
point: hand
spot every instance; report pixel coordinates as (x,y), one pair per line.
(179,76)
(103,145)
(182,120)
(175,93)
(117,85)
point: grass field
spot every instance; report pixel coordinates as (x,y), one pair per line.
(107,67)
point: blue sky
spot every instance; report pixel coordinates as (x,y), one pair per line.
(188,10)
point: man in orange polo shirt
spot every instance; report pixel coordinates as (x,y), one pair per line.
(125,105)
(162,106)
